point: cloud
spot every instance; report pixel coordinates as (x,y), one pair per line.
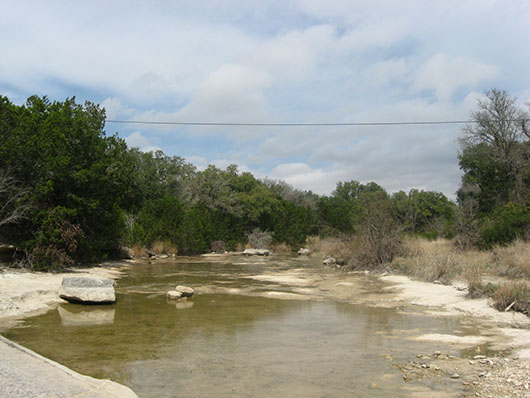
(137,140)
(444,74)
(277,61)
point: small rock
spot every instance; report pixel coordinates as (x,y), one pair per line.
(174,295)
(303,252)
(437,353)
(185,291)
(471,362)
(479,357)
(455,376)
(330,261)
(425,366)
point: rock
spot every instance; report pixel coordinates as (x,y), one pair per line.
(330,261)
(303,252)
(87,290)
(455,376)
(185,291)
(164,256)
(256,252)
(174,295)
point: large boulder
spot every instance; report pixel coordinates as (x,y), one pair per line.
(256,252)
(87,290)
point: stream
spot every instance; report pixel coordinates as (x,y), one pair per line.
(256,327)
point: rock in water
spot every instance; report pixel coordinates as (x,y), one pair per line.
(174,295)
(256,252)
(87,290)
(185,291)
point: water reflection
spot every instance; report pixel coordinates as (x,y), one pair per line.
(87,316)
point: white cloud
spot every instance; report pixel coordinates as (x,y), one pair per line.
(137,140)
(444,74)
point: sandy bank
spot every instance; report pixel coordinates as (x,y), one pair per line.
(24,293)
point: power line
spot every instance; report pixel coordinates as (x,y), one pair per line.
(410,123)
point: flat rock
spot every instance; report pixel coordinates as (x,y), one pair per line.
(87,290)
(256,252)
(185,291)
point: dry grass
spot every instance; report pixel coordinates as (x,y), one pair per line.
(281,248)
(512,295)
(139,251)
(512,261)
(429,260)
(161,247)
(344,249)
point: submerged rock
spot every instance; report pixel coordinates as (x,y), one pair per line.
(256,252)
(87,290)
(185,291)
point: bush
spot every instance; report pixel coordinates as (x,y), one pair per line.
(505,225)
(259,239)
(56,241)
(380,233)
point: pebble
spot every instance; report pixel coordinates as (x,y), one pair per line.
(455,376)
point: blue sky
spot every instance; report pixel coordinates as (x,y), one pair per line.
(281,62)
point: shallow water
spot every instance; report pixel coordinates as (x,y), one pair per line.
(233,339)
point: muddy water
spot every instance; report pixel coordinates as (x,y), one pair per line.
(255,328)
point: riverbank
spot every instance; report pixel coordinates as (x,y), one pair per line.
(24,293)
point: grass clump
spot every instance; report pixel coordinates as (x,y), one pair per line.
(512,296)
(164,247)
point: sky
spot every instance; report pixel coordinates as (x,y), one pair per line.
(278,61)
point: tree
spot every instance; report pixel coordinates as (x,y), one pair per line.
(495,158)
(13,202)
(496,147)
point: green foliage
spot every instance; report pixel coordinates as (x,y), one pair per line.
(505,225)
(424,213)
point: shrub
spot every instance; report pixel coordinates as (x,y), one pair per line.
(56,241)
(259,239)
(505,225)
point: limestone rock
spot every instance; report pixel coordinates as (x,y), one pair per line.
(256,252)
(87,290)
(174,295)
(185,291)
(330,261)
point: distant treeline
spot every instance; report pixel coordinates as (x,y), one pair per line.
(69,194)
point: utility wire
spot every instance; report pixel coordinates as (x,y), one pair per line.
(154,122)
